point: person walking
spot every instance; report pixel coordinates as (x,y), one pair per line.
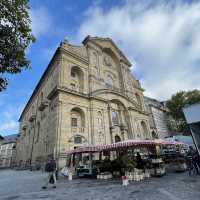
(190,161)
(50,168)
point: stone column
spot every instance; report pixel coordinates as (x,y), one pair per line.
(110,123)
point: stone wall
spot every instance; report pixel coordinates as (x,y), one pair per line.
(87,96)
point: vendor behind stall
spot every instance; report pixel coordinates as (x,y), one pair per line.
(140,163)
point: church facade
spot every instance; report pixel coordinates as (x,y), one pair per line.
(87,95)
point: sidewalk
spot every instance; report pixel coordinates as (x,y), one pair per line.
(19,185)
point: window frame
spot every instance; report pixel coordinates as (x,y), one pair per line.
(77,140)
(115,119)
(74,122)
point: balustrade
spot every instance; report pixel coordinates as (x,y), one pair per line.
(78,130)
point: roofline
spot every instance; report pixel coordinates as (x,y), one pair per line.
(191,105)
(39,83)
(87,38)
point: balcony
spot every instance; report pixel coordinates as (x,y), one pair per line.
(78,130)
(43,105)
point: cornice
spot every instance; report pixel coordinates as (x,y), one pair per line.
(74,55)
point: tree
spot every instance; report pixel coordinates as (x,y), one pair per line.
(15,37)
(176,104)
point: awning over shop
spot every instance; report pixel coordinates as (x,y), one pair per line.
(123,144)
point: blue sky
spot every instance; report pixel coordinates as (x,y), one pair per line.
(160,38)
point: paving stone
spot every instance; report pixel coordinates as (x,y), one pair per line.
(20,185)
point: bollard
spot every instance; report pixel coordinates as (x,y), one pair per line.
(124,181)
(70,176)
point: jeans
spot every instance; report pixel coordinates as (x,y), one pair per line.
(47,178)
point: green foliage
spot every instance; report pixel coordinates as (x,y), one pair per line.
(176,104)
(15,37)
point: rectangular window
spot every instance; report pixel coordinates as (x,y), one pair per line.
(77,140)
(115,118)
(74,122)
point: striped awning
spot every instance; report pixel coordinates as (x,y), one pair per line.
(127,143)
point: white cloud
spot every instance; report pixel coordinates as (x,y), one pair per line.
(9,126)
(41,21)
(162,38)
(9,119)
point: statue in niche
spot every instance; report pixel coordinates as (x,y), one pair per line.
(107,60)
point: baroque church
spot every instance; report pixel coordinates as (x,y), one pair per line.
(87,95)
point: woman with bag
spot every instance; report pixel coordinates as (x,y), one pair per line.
(50,168)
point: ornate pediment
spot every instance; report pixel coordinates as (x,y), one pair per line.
(105,44)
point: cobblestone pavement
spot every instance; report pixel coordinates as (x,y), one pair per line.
(20,185)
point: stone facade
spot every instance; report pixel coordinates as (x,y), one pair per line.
(158,118)
(87,95)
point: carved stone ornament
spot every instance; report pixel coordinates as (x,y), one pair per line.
(107,61)
(94,59)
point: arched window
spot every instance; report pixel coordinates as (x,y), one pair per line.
(73,74)
(115,119)
(77,118)
(117,138)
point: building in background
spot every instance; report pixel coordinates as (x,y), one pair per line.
(87,95)
(8,151)
(158,118)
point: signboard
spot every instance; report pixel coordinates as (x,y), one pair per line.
(192,113)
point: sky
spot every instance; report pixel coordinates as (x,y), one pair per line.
(159,37)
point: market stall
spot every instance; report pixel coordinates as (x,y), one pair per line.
(134,158)
(176,155)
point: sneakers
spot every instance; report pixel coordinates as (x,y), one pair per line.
(54,186)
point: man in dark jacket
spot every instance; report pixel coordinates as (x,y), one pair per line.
(50,168)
